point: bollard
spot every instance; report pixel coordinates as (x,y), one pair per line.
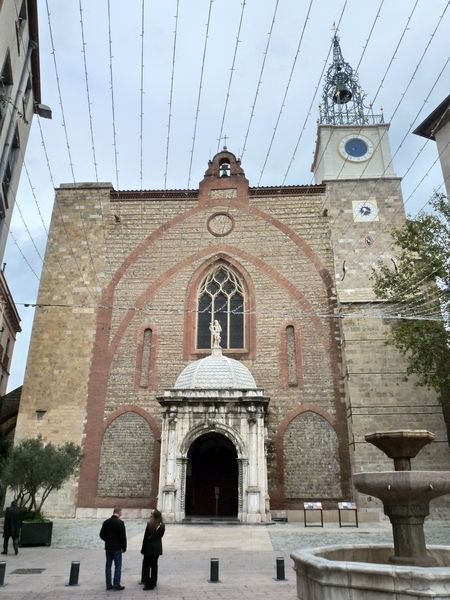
(2,572)
(280,569)
(74,572)
(214,572)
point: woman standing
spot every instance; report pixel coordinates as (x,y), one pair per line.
(152,549)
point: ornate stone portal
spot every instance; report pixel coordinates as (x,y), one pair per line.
(213,454)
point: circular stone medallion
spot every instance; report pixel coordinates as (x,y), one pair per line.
(220,224)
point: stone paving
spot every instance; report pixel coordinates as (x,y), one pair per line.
(247,556)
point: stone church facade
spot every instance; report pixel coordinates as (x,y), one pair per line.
(121,361)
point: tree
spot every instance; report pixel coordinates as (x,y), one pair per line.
(419,287)
(34,469)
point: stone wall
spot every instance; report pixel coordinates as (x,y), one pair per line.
(118,264)
(311,459)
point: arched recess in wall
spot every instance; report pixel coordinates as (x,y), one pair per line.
(146,357)
(127,458)
(225,268)
(311,466)
(291,372)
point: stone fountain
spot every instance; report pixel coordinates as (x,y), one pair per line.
(410,570)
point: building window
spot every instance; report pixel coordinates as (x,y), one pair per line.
(6,82)
(20,25)
(221,298)
(12,158)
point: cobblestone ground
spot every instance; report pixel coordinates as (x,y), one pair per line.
(83,533)
(247,557)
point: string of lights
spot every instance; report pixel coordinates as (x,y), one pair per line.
(308,113)
(116,154)
(172,79)
(261,72)
(230,80)
(141,98)
(288,85)
(43,144)
(88,94)
(200,88)
(373,312)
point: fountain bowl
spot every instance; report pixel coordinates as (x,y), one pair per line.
(404,443)
(361,572)
(403,487)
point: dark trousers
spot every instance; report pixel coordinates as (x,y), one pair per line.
(15,543)
(150,570)
(116,558)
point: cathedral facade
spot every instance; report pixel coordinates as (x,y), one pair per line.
(219,351)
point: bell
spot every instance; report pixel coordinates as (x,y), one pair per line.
(342,95)
(224,170)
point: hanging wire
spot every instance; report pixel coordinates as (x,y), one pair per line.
(67,137)
(113,109)
(227,97)
(172,79)
(308,114)
(88,95)
(200,87)
(263,64)
(288,85)
(141,119)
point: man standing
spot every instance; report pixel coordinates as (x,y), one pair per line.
(114,535)
(11,527)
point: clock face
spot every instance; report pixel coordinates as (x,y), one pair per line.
(356,148)
(365,211)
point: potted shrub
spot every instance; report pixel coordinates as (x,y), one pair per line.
(32,470)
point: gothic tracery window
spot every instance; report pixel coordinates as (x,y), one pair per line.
(221,298)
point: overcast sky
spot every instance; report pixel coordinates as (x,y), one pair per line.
(212,87)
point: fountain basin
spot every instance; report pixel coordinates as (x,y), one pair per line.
(360,572)
(403,487)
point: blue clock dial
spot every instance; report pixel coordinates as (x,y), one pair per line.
(356,147)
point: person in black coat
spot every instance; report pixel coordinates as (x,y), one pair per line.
(11,527)
(152,549)
(113,533)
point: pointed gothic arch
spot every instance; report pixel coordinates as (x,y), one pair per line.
(236,308)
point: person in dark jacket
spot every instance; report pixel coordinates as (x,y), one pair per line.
(11,527)
(113,533)
(152,549)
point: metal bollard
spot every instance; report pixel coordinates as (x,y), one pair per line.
(2,572)
(280,569)
(214,571)
(74,572)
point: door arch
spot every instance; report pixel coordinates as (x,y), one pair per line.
(212,477)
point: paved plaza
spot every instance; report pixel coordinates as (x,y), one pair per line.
(247,556)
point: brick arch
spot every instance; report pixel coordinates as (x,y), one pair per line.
(154,425)
(341,433)
(153,237)
(190,307)
(107,488)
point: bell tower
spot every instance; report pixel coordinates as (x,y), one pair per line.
(363,202)
(363,197)
(352,141)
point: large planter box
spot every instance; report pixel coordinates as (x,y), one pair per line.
(36,534)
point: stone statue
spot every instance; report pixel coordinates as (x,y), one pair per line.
(215,329)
